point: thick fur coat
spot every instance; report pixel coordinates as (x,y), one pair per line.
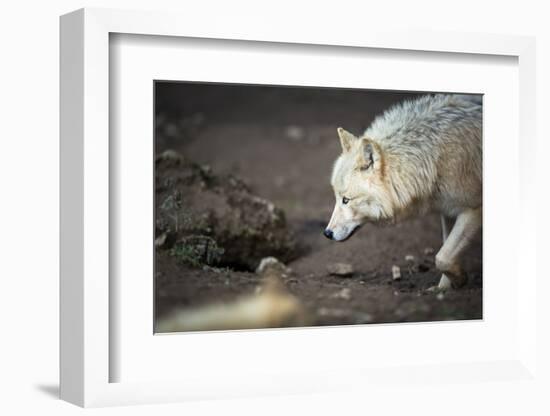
(420,155)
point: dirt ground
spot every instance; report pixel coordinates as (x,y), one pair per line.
(282,143)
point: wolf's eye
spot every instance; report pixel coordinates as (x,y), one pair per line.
(345,200)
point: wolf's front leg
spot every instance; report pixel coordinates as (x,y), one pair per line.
(466,226)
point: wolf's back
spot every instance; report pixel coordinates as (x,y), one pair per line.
(426,120)
(433,148)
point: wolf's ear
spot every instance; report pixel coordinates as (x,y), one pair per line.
(370,154)
(346,139)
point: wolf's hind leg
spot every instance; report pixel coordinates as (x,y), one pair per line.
(445,227)
(447,260)
(445,282)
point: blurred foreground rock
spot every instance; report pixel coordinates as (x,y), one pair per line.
(396,272)
(204,218)
(272,306)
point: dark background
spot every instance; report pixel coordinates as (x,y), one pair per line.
(282,141)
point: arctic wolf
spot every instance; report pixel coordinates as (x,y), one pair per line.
(420,155)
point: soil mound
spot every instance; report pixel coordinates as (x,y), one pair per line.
(206,219)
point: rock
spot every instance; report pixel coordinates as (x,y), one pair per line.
(344,293)
(272,264)
(340,269)
(396,272)
(440,296)
(194,204)
(409,258)
(428,251)
(160,240)
(170,156)
(272,306)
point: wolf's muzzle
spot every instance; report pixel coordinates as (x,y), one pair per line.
(351,233)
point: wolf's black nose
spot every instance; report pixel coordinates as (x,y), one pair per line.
(328,234)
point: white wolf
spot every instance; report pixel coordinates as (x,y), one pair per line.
(423,154)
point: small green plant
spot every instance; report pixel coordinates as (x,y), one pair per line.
(197,250)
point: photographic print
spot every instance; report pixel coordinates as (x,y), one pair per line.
(285,206)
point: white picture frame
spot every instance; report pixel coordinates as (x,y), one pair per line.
(86,355)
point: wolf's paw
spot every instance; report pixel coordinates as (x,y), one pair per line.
(444,283)
(433,289)
(448,282)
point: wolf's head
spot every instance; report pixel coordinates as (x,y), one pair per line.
(359,187)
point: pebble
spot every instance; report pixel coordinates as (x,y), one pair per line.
(409,258)
(345,293)
(160,240)
(274,264)
(440,296)
(396,272)
(170,155)
(340,269)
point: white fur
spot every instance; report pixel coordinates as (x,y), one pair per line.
(423,154)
